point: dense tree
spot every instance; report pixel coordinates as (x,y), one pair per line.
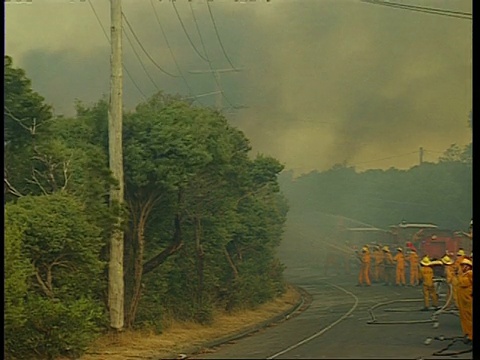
(440,193)
(24,110)
(59,307)
(202,219)
(57,220)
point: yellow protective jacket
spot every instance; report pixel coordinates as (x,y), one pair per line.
(400,260)
(413,259)
(458,264)
(365,258)
(449,273)
(427,275)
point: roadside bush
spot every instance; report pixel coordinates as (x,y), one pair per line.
(56,328)
(54,285)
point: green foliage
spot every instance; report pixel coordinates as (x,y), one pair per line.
(189,182)
(24,110)
(57,328)
(17,271)
(438,193)
(53,252)
(59,235)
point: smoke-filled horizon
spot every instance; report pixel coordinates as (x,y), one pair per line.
(319,82)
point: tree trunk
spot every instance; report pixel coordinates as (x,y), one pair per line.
(200,257)
(230,304)
(139,235)
(176,245)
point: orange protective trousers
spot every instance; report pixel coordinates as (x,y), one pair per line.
(400,269)
(413,258)
(428,287)
(465,303)
(453,282)
(377,266)
(363,276)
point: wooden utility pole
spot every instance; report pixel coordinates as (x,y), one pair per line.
(115,268)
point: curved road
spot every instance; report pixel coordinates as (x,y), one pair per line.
(344,321)
(348,322)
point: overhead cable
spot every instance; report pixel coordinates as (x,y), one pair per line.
(143,48)
(424,9)
(213,71)
(108,39)
(218,36)
(190,91)
(140,60)
(186,33)
(198,31)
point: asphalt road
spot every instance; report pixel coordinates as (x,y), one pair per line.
(348,322)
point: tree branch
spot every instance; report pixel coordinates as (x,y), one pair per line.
(10,188)
(173,248)
(7,112)
(36,181)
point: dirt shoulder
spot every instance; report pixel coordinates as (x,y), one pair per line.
(180,337)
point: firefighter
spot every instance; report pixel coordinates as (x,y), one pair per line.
(458,261)
(451,279)
(413,262)
(465,298)
(377,264)
(428,286)
(389,266)
(363,276)
(400,267)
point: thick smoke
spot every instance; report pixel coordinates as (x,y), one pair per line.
(322,81)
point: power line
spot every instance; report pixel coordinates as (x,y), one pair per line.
(446,11)
(190,91)
(214,73)
(186,33)
(199,33)
(218,36)
(108,39)
(423,9)
(140,60)
(143,48)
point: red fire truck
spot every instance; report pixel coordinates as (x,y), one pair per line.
(430,240)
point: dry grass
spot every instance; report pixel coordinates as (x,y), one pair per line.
(181,336)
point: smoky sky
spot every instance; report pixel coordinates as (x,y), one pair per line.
(318,82)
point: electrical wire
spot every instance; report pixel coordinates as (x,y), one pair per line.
(190,91)
(424,9)
(218,37)
(140,60)
(186,33)
(108,39)
(208,60)
(143,48)
(199,33)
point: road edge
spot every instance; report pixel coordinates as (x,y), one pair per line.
(302,304)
